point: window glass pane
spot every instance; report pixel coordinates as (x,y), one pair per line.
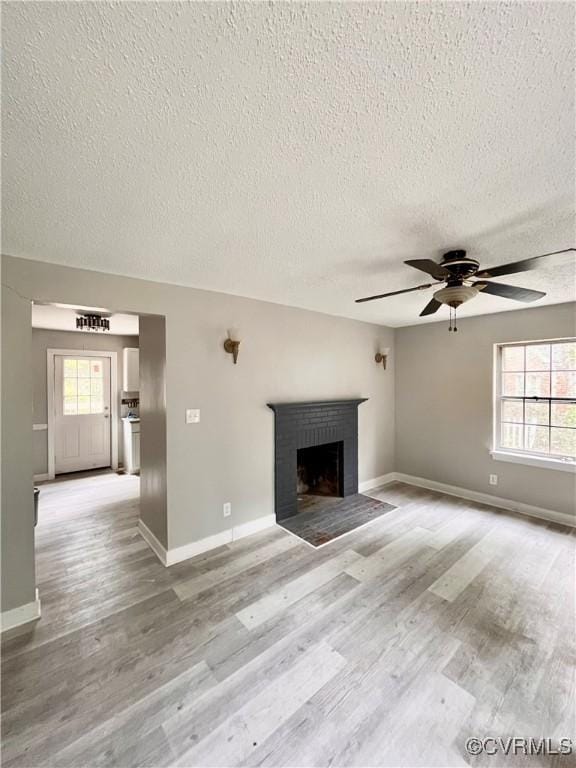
(564,356)
(96,405)
(96,369)
(83,386)
(70,388)
(512,410)
(513,384)
(563,441)
(513,358)
(84,368)
(96,387)
(564,384)
(84,404)
(564,414)
(536,439)
(512,436)
(537,413)
(538,357)
(538,384)
(70,367)
(70,407)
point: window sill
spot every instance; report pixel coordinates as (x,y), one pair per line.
(534,461)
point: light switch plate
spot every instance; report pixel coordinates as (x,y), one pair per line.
(493,479)
(227,509)
(192,415)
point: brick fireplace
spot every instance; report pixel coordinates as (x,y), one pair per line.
(331,425)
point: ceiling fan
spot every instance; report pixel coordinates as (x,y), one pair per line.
(458,271)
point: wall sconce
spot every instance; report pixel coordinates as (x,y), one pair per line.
(381,357)
(232,343)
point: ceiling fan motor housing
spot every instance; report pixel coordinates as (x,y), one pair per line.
(459,265)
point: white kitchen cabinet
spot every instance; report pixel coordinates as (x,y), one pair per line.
(131,361)
(131,444)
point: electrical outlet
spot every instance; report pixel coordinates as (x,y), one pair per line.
(493,479)
(227,509)
(192,415)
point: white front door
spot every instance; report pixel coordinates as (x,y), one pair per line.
(81,412)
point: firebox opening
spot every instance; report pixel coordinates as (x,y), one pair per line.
(319,471)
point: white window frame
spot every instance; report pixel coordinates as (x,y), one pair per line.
(520,457)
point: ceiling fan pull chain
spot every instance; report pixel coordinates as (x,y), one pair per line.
(450,326)
(455,327)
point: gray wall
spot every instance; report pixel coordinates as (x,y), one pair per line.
(42,340)
(286,354)
(153,454)
(18,575)
(444,405)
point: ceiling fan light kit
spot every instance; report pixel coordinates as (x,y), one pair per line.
(456,269)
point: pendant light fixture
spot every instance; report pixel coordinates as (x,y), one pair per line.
(92,322)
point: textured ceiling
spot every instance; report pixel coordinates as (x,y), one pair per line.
(292,152)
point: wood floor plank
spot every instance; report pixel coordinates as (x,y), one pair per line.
(272,604)
(459,576)
(252,724)
(391,556)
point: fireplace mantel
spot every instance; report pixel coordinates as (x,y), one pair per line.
(315,403)
(305,424)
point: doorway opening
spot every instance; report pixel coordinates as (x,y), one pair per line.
(86,415)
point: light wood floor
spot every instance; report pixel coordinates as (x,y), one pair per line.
(440,621)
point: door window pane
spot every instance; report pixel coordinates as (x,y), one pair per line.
(70,406)
(70,387)
(70,368)
(513,410)
(564,384)
(513,436)
(564,356)
(537,413)
(564,415)
(538,357)
(84,369)
(96,388)
(96,369)
(83,404)
(563,441)
(513,384)
(538,384)
(537,439)
(83,386)
(513,359)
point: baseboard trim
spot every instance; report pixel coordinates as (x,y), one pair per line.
(155,545)
(170,557)
(549,515)
(253,526)
(41,478)
(20,619)
(376,482)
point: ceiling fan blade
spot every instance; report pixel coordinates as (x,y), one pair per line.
(509,291)
(431,307)
(394,293)
(430,267)
(520,266)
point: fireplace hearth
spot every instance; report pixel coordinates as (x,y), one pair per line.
(316,445)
